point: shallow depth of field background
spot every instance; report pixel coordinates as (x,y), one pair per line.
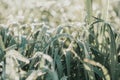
(59,40)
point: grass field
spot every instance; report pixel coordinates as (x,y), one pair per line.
(59,40)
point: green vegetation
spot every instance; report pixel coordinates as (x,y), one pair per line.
(59,40)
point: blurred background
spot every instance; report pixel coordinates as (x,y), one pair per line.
(54,12)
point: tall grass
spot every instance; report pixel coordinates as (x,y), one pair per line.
(44,41)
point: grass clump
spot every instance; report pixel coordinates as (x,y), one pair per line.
(59,40)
